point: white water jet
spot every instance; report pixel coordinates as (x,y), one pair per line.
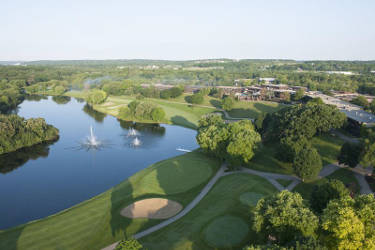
(92,140)
(136,142)
(132,132)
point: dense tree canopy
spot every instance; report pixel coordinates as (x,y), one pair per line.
(325,192)
(145,111)
(227,103)
(96,97)
(285,217)
(234,142)
(307,162)
(16,132)
(349,223)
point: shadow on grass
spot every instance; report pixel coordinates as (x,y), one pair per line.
(179,120)
(9,239)
(261,107)
(216,103)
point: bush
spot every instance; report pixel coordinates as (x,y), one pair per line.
(131,244)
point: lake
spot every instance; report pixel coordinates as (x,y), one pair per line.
(44,179)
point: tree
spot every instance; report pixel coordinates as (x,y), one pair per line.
(157,114)
(131,244)
(59,90)
(367,155)
(372,106)
(227,103)
(212,135)
(349,154)
(325,192)
(349,223)
(96,97)
(307,163)
(242,142)
(285,217)
(196,98)
(298,95)
(361,101)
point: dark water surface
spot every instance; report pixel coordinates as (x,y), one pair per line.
(39,181)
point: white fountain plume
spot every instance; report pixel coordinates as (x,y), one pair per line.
(132,132)
(136,142)
(92,138)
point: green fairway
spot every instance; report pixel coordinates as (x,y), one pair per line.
(344,175)
(226,231)
(182,114)
(265,160)
(244,109)
(284,182)
(222,201)
(250,198)
(97,222)
(328,146)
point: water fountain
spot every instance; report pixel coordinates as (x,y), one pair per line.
(91,141)
(132,132)
(136,142)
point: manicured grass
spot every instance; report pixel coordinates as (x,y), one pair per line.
(265,160)
(76,94)
(328,146)
(344,175)
(97,222)
(223,200)
(250,198)
(176,113)
(243,109)
(226,231)
(284,182)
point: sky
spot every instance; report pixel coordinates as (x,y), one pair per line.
(187,29)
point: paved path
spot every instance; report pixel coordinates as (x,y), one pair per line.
(364,187)
(271,177)
(345,137)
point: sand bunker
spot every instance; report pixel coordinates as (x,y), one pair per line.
(154,208)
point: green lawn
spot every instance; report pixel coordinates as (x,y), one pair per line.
(176,113)
(97,222)
(328,146)
(243,109)
(265,159)
(344,175)
(284,182)
(194,230)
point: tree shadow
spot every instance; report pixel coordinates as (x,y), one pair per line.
(216,103)
(152,128)
(13,160)
(9,238)
(182,121)
(263,108)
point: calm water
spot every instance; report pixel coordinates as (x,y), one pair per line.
(45,179)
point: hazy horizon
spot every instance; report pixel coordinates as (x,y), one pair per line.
(187,30)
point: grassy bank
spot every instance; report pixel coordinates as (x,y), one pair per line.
(97,222)
(202,228)
(344,175)
(244,109)
(265,159)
